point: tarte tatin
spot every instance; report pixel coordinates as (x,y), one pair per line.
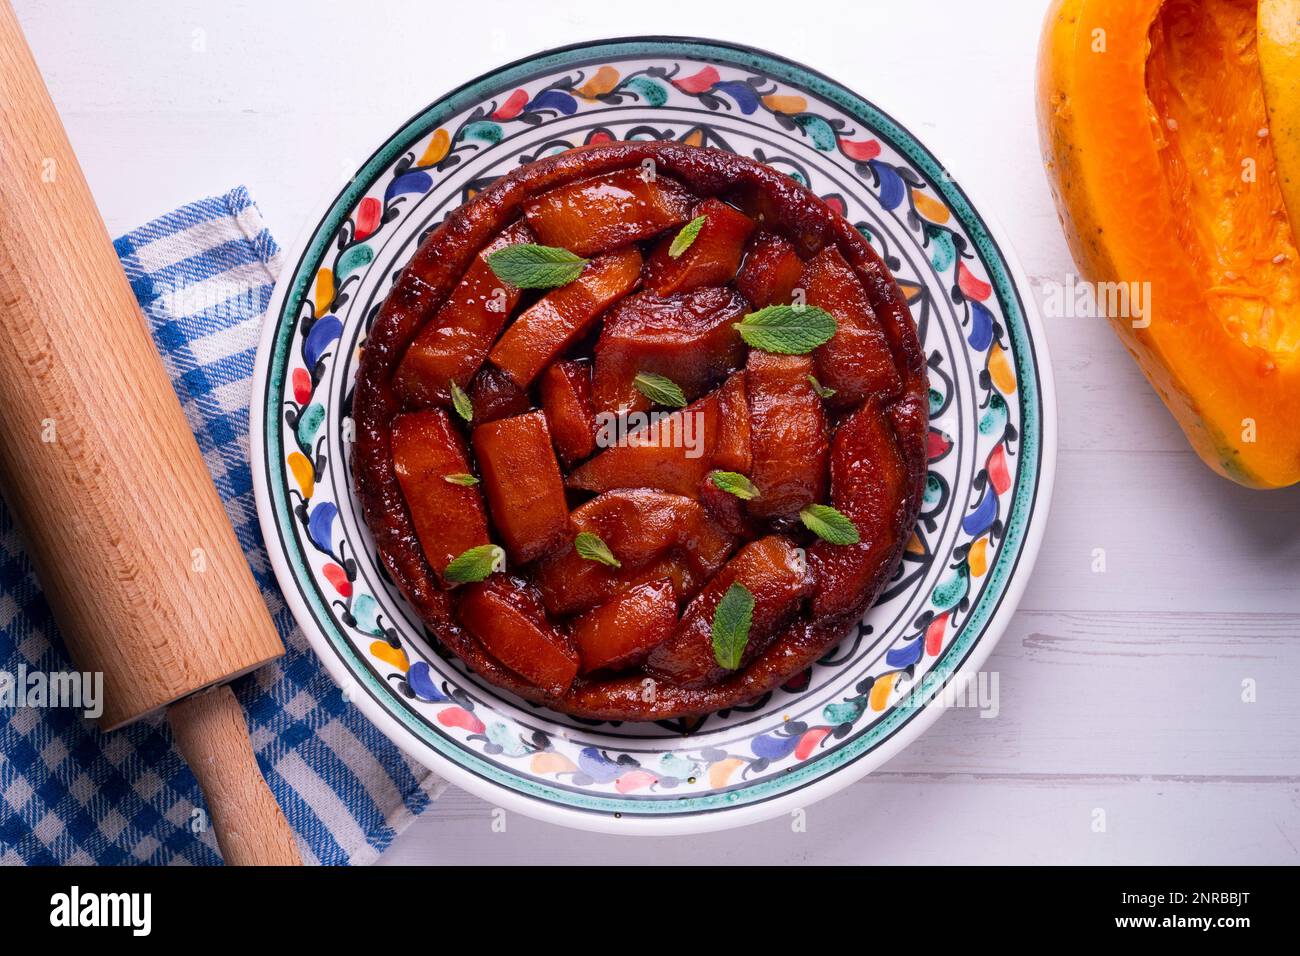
(640,430)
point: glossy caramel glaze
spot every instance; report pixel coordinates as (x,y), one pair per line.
(887,427)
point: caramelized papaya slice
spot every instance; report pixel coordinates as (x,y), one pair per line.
(449,519)
(771,273)
(869,485)
(495,396)
(688,338)
(732,452)
(569,584)
(774,571)
(639,524)
(650,533)
(725,510)
(566,400)
(507,617)
(856,362)
(522,480)
(672,453)
(711,259)
(622,631)
(604,212)
(787,434)
(455,342)
(709,551)
(676,568)
(547,328)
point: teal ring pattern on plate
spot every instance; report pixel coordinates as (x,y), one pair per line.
(989,442)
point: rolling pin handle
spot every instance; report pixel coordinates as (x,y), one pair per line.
(212,734)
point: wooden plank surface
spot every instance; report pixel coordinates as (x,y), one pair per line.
(1119,691)
(905,819)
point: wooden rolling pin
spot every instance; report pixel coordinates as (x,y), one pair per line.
(132,546)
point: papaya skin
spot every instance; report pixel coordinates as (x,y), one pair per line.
(1119,129)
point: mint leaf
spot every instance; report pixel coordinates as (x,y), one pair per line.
(475,564)
(592,548)
(529,266)
(660,390)
(468,481)
(460,401)
(734,483)
(731,620)
(682,241)
(787,329)
(829,525)
(821,390)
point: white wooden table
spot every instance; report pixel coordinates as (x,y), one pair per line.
(1121,692)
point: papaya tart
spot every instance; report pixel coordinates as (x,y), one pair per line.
(640,430)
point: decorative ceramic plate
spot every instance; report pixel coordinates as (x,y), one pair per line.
(991,442)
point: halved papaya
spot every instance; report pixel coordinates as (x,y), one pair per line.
(1156,138)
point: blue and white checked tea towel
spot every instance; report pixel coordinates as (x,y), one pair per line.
(68,794)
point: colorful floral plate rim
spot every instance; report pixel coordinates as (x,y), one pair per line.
(987,499)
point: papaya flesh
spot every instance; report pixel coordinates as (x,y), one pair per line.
(454,344)
(672,453)
(1278,33)
(711,259)
(643,528)
(604,212)
(494,396)
(509,620)
(733,449)
(856,362)
(566,401)
(620,632)
(449,518)
(771,273)
(688,338)
(1156,137)
(775,573)
(869,486)
(788,434)
(523,485)
(547,328)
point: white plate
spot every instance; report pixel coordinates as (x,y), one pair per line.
(992,442)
